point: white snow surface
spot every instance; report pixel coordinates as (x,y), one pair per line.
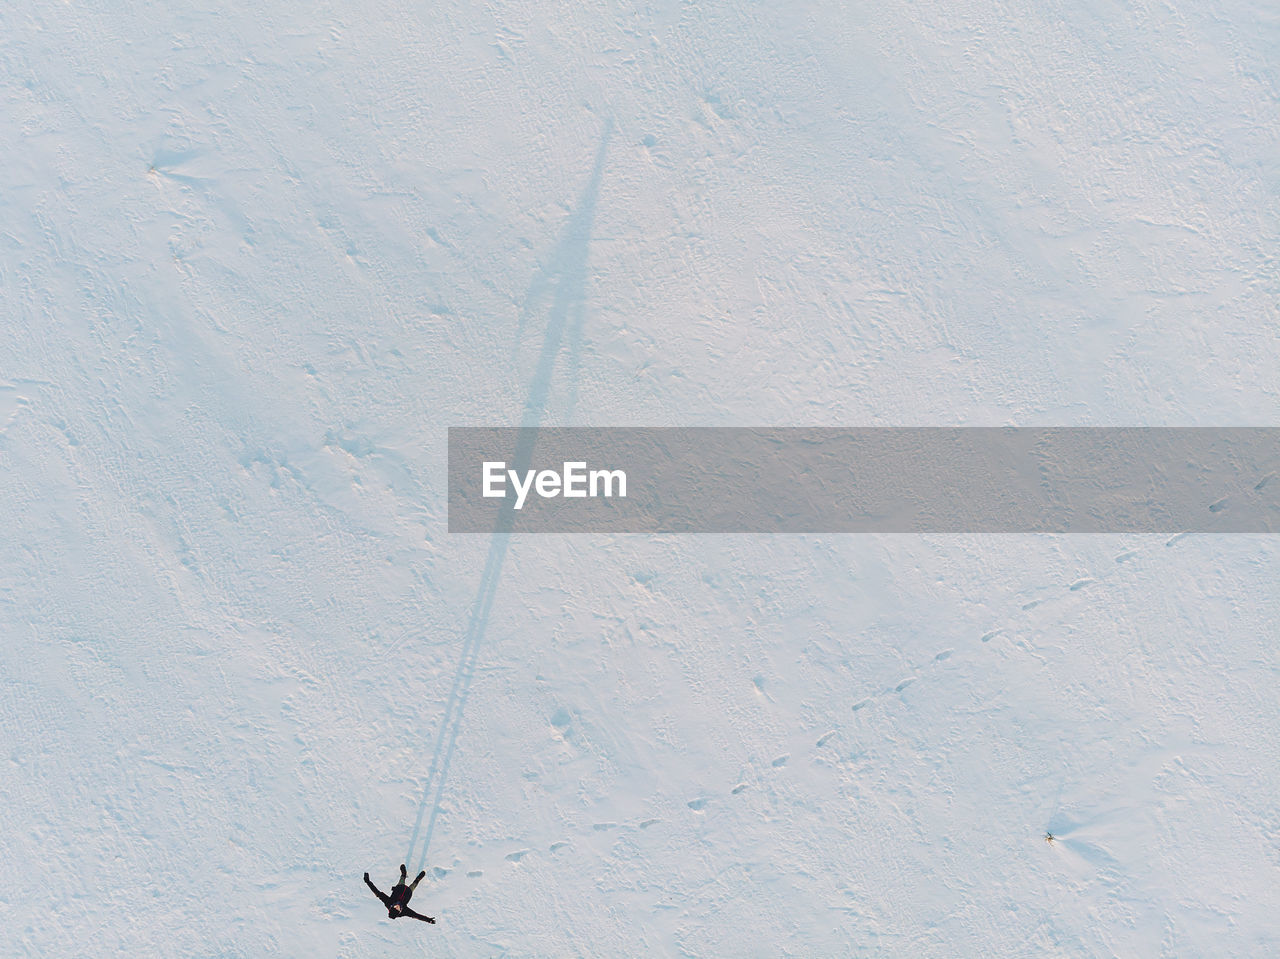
(256,258)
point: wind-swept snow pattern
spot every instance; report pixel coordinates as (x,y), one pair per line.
(253,265)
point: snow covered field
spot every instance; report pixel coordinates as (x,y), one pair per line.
(252,266)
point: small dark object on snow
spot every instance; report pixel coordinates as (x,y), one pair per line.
(398,902)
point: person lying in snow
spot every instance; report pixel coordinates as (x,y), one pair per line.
(398,902)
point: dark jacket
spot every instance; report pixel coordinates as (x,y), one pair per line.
(398,902)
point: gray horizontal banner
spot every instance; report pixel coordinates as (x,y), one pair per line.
(865,480)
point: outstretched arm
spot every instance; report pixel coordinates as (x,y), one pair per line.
(368,882)
(416,915)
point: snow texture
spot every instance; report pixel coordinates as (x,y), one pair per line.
(254,259)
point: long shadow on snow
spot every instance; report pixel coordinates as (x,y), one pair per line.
(565,277)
